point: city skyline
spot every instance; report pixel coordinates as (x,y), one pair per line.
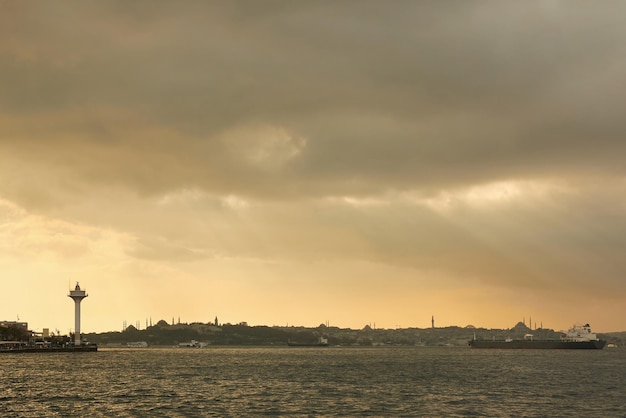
(305,162)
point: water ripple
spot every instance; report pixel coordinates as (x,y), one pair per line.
(386,381)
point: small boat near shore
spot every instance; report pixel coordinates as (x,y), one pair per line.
(321,342)
(577,337)
(137,344)
(191,344)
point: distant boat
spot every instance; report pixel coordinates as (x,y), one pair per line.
(321,342)
(577,337)
(192,344)
(137,344)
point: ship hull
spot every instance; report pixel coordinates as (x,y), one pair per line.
(538,344)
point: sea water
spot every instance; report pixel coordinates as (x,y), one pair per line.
(332,381)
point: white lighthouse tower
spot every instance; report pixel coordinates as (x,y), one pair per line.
(78,295)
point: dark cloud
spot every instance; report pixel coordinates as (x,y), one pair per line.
(415,95)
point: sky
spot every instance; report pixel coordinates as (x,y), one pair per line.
(298,163)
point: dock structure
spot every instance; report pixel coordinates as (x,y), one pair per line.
(77,295)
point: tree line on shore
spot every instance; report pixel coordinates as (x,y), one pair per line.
(164,334)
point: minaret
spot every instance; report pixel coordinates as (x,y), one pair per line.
(432,322)
(78,295)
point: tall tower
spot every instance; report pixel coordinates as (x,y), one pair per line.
(432,322)
(78,295)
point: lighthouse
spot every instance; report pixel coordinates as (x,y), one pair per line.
(78,295)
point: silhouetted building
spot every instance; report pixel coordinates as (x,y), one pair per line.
(15,324)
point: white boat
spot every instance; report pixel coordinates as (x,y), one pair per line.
(192,344)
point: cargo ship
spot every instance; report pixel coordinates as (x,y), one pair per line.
(577,337)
